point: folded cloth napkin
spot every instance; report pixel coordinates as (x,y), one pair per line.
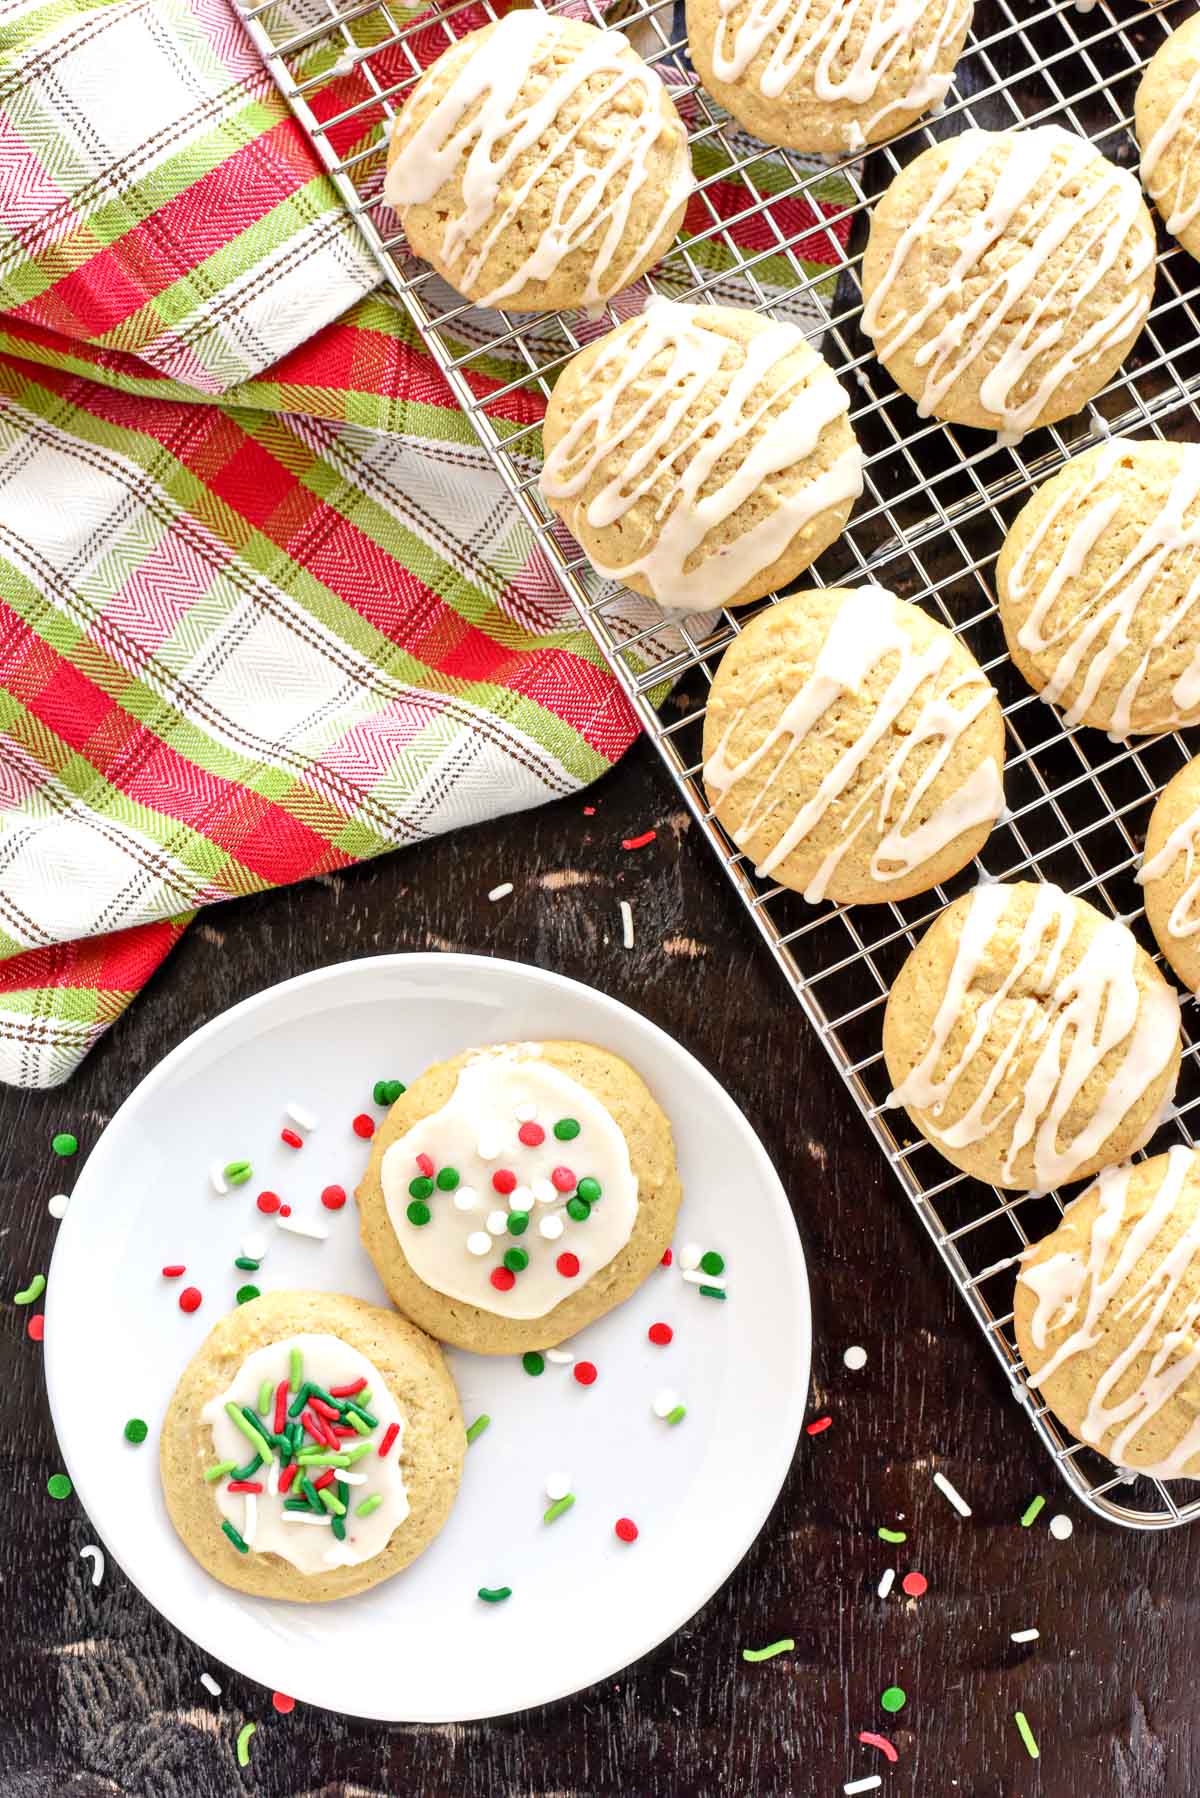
(265,609)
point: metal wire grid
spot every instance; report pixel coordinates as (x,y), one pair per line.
(936,505)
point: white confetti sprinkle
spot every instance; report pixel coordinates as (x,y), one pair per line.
(216,1174)
(497,1222)
(306,1517)
(479,1243)
(1025,1635)
(689,1256)
(871,1783)
(96,1557)
(502,891)
(490,1144)
(956,1498)
(543,1190)
(254,1246)
(626,923)
(665,1401)
(57,1206)
(250,1519)
(300,1115)
(696,1277)
(560,1356)
(351,1479)
(558,1484)
(520,1199)
(465,1198)
(551,1226)
(299,1227)
(525,1114)
(887,1582)
(273,1478)
(1061,1527)
(210,1684)
(855,1358)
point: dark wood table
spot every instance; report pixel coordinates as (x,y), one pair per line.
(100,1695)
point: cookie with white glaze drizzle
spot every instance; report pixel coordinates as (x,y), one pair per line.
(827,75)
(1006,276)
(852,747)
(1107,1315)
(702,455)
(539,164)
(1167,121)
(1170,873)
(1031,1039)
(519,1192)
(1099,588)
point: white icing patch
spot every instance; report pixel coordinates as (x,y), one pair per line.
(1184,840)
(1180,207)
(489,1088)
(261,1519)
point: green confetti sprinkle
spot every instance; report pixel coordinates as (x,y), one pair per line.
(64,1143)
(418,1212)
(1031,1510)
(558,1507)
(711,1292)
(421,1187)
(243,1743)
(239,1542)
(247,1264)
(494,1594)
(516,1260)
(894,1699)
(886,1535)
(533,1363)
(712,1263)
(567,1129)
(266,1396)
(448,1179)
(518,1223)
(478,1427)
(295,1369)
(30,1294)
(244,1294)
(386,1092)
(59,1486)
(368,1505)
(579,1209)
(589,1189)
(237,1172)
(677,1415)
(331,1501)
(136,1430)
(783,1646)
(249,1430)
(218,1470)
(1026,1734)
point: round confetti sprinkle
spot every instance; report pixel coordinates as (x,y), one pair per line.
(531,1135)
(268,1202)
(285,1211)
(533,1362)
(421,1187)
(551,1227)
(625,1529)
(567,1265)
(418,1212)
(333,1197)
(712,1263)
(36,1328)
(237,1172)
(466,1199)
(479,1243)
(562,1179)
(579,1209)
(567,1129)
(558,1484)
(386,1092)
(57,1206)
(59,1486)
(64,1143)
(136,1430)
(893,1699)
(283,1704)
(518,1223)
(589,1189)
(665,1401)
(363,1125)
(585,1372)
(245,1293)
(503,1279)
(1061,1527)
(447,1179)
(855,1358)
(689,1256)
(516,1260)
(497,1222)
(504,1180)
(660,1334)
(915,1584)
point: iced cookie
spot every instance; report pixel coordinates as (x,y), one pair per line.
(1006,277)
(852,747)
(313,1447)
(1031,1039)
(1099,587)
(826,75)
(517,1193)
(701,454)
(539,163)
(1105,1315)
(1167,122)
(1170,873)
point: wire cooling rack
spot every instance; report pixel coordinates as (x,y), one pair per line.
(769,229)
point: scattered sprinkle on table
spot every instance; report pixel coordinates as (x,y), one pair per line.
(887,1582)
(586,1372)
(667,1405)
(887,1535)
(647,836)
(559,1506)
(30,1294)
(626,923)
(871,1783)
(817,1425)
(36,1327)
(784,1645)
(915,1585)
(948,1491)
(494,1594)
(210,1684)
(191,1298)
(475,1430)
(217,1179)
(386,1092)
(64,1143)
(244,1294)
(59,1486)
(893,1699)
(501,892)
(660,1334)
(363,1125)
(96,1557)
(1024,1635)
(558,1484)
(625,1529)
(300,1226)
(174,1270)
(560,1356)
(689,1256)
(869,1739)
(333,1197)
(1029,1514)
(237,1172)
(136,1430)
(533,1362)
(283,1704)
(243,1743)
(268,1203)
(855,1357)
(299,1114)
(57,1206)
(1061,1527)
(1026,1735)
(254,1246)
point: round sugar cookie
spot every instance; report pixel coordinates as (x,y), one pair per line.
(702,455)
(852,747)
(1097,582)
(1030,1039)
(1170,873)
(1006,277)
(397,1448)
(827,75)
(538,164)
(1105,1315)
(519,1192)
(1166,116)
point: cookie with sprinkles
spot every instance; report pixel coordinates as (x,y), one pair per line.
(516,1193)
(313,1447)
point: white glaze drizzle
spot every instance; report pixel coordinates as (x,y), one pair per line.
(1099,628)
(1184,840)
(1059,1285)
(806,40)
(685,391)
(515,109)
(1075,1019)
(1179,208)
(1079,237)
(865,631)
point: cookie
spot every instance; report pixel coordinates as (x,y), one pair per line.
(1166,116)
(1105,1316)
(519,1192)
(262,1517)
(852,748)
(1097,592)
(538,164)
(1170,873)
(702,455)
(1031,1040)
(827,75)
(1006,277)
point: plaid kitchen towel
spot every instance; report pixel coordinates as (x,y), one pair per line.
(265,609)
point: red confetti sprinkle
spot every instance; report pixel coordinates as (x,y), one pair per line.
(660,1333)
(503,1279)
(346,1391)
(36,1327)
(324,1478)
(333,1197)
(190,1298)
(647,836)
(282,1394)
(425,1163)
(363,1125)
(626,1529)
(562,1179)
(874,1741)
(389,1436)
(285,1211)
(288,1475)
(585,1372)
(292,1138)
(531,1135)
(567,1265)
(915,1584)
(324,1410)
(244,1486)
(668,1257)
(504,1180)
(268,1202)
(817,1425)
(589,811)
(173,1271)
(283,1704)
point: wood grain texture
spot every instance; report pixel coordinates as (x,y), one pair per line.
(101,1696)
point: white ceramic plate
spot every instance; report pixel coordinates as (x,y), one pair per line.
(422,1647)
